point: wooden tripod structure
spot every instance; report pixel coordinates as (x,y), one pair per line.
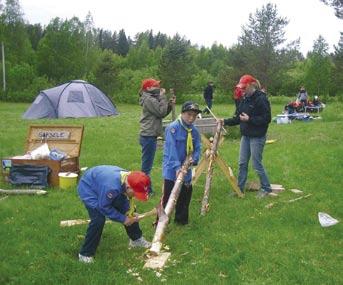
(209,159)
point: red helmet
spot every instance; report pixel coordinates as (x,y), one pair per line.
(245,80)
(139,182)
(150,82)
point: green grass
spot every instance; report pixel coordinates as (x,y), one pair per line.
(238,242)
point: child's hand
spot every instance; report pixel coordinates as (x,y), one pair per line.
(130,220)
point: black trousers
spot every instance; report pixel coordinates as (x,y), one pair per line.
(182,203)
(95,228)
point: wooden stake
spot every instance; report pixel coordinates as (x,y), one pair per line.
(229,175)
(70,223)
(296,199)
(212,157)
(199,170)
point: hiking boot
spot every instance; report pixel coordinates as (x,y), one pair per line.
(86,259)
(262,194)
(141,242)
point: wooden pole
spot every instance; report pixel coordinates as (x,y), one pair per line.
(163,220)
(3,66)
(173,104)
(23,192)
(214,116)
(212,157)
(70,223)
(204,160)
(229,175)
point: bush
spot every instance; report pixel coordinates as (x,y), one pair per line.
(20,77)
(29,94)
(130,82)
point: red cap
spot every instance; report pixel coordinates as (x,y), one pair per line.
(139,182)
(245,80)
(148,83)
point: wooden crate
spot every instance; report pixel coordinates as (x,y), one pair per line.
(206,125)
(65,138)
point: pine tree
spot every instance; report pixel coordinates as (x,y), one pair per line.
(318,68)
(123,44)
(176,66)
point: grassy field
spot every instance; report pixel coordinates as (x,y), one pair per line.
(239,241)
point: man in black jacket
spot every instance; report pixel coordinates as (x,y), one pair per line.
(208,96)
(253,115)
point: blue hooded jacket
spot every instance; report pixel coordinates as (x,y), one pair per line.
(101,188)
(175,150)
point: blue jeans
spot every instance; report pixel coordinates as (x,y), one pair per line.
(148,145)
(209,105)
(252,147)
(95,227)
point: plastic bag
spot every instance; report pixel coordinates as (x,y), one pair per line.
(56,154)
(41,152)
(326,220)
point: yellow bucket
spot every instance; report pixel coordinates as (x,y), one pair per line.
(67,179)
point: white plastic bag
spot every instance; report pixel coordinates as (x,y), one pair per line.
(326,220)
(41,152)
(283,120)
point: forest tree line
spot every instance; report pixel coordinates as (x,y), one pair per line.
(37,58)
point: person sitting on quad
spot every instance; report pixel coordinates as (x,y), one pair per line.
(316,101)
(294,106)
(302,96)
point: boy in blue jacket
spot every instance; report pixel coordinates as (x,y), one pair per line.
(107,192)
(181,138)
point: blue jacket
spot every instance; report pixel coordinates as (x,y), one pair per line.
(175,150)
(101,188)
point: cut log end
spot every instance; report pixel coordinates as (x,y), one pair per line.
(158,261)
(155,248)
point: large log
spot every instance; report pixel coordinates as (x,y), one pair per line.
(212,157)
(163,220)
(23,192)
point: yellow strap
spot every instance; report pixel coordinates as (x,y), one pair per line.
(132,209)
(189,145)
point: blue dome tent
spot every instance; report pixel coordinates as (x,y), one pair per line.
(73,99)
